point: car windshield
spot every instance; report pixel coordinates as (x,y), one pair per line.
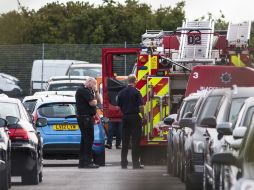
(9,109)
(29,105)
(86,71)
(236,105)
(210,108)
(57,110)
(64,87)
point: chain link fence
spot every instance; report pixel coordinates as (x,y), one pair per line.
(17,60)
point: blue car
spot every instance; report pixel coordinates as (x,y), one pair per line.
(55,116)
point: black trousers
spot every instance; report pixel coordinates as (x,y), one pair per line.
(86,126)
(132,127)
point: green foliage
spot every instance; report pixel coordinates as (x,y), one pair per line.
(85,23)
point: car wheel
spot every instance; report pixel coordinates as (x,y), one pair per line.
(206,184)
(4,179)
(174,164)
(182,167)
(40,177)
(169,164)
(31,177)
(99,159)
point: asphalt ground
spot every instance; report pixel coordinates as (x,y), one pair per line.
(65,175)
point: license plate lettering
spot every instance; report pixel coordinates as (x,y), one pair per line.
(69,127)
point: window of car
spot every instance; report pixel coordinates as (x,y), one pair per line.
(30,105)
(64,87)
(187,106)
(9,109)
(57,110)
(248,116)
(210,108)
(236,105)
(240,116)
(85,71)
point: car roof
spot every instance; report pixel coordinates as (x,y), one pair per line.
(249,101)
(9,100)
(54,99)
(47,93)
(195,96)
(87,65)
(66,82)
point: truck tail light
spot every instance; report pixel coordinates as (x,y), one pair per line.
(18,134)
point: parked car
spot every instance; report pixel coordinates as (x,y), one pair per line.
(26,145)
(244,161)
(42,70)
(218,127)
(229,174)
(56,116)
(91,70)
(64,85)
(9,86)
(174,156)
(5,156)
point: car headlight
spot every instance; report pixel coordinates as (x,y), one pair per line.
(198,146)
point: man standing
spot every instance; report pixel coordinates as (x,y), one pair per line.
(87,97)
(131,104)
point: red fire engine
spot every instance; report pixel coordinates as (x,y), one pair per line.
(164,62)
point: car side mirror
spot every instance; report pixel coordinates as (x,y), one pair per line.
(186,122)
(3,122)
(225,158)
(187,115)
(11,120)
(209,122)
(168,121)
(224,128)
(239,132)
(41,122)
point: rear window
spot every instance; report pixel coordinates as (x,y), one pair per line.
(210,108)
(9,109)
(64,87)
(30,105)
(57,110)
(86,71)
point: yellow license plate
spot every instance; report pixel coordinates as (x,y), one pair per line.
(65,127)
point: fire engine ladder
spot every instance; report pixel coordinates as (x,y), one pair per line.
(196,49)
(238,34)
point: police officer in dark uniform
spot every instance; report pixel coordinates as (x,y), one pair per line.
(87,97)
(131,104)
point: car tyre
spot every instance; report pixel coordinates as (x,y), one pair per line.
(31,177)
(4,179)
(206,184)
(169,164)
(40,177)
(174,164)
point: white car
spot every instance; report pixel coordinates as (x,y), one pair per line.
(91,70)
(9,86)
(64,85)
